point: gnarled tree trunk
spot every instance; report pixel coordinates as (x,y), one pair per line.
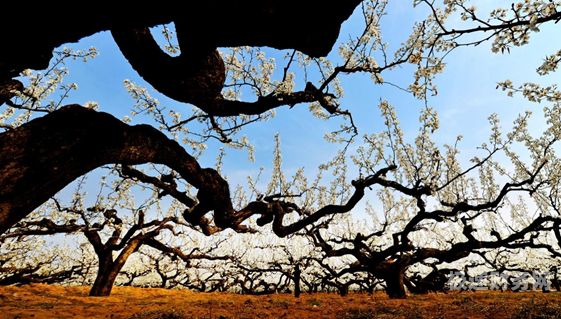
(109,269)
(106,275)
(395,284)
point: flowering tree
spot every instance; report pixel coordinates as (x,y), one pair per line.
(431,200)
(114,236)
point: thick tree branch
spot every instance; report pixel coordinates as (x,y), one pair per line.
(197,77)
(44,155)
(313,29)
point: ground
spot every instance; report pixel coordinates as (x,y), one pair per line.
(44,301)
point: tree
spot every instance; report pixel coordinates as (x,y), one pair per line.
(129,145)
(113,236)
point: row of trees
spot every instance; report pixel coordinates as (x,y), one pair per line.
(412,240)
(504,202)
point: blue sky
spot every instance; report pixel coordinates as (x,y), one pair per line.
(467,95)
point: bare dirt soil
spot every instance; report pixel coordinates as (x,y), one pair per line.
(44,301)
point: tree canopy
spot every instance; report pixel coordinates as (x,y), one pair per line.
(434,208)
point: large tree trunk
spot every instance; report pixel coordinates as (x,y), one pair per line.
(106,275)
(395,284)
(109,269)
(104,282)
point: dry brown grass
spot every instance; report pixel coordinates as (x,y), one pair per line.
(43,301)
